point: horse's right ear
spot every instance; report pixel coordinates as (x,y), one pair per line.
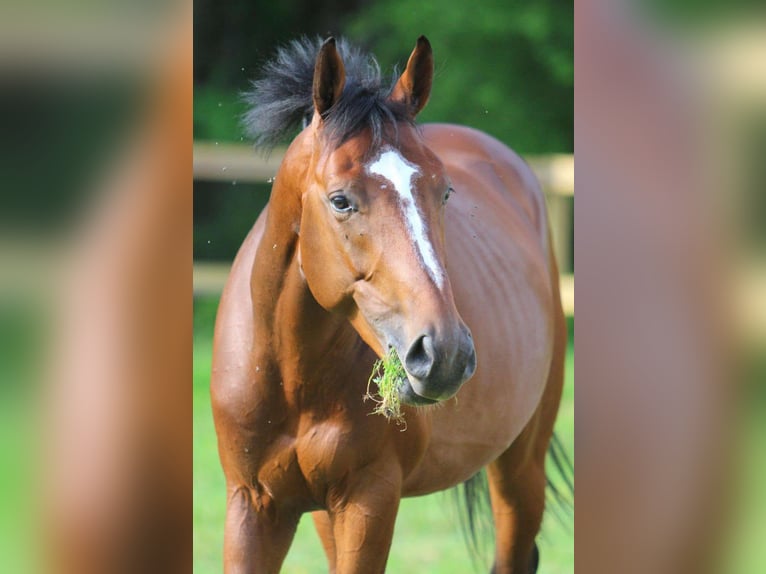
(329,77)
(414,85)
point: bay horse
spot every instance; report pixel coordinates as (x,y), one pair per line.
(379,234)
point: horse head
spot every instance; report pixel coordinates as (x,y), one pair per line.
(371,240)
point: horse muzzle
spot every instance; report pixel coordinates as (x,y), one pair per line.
(437,366)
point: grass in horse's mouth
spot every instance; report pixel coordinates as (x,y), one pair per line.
(388,374)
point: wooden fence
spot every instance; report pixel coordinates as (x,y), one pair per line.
(237,162)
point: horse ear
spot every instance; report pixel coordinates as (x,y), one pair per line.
(329,77)
(414,85)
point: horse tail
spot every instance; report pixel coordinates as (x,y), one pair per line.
(475,513)
(560,493)
(475,510)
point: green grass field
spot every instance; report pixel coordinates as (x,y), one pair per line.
(427,537)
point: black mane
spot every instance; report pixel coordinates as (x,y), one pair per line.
(281,99)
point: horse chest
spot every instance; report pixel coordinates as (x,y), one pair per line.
(325,454)
(275,471)
(294,466)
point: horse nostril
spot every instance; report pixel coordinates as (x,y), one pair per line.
(420,357)
(470,368)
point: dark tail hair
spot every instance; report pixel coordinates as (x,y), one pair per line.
(560,497)
(475,514)
(475,510)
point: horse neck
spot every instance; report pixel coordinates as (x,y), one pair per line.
(313,346)
(296,340)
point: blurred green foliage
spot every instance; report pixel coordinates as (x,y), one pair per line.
(504,67)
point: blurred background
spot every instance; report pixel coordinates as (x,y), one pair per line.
(95,286)
(506,69)
(669,121)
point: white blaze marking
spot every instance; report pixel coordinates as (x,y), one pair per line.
(397,170)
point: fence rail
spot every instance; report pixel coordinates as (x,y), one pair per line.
(227,162)
(240,163)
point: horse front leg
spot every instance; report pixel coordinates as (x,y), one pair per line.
(257,535)
(363,514)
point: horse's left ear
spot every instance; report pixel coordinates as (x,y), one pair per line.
(414,85)
(329,77)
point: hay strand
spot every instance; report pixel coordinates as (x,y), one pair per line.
(388,375)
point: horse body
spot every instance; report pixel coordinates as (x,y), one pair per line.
(293,356)
(498,265)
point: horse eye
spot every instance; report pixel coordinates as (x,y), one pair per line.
(340,203)
(447,194)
